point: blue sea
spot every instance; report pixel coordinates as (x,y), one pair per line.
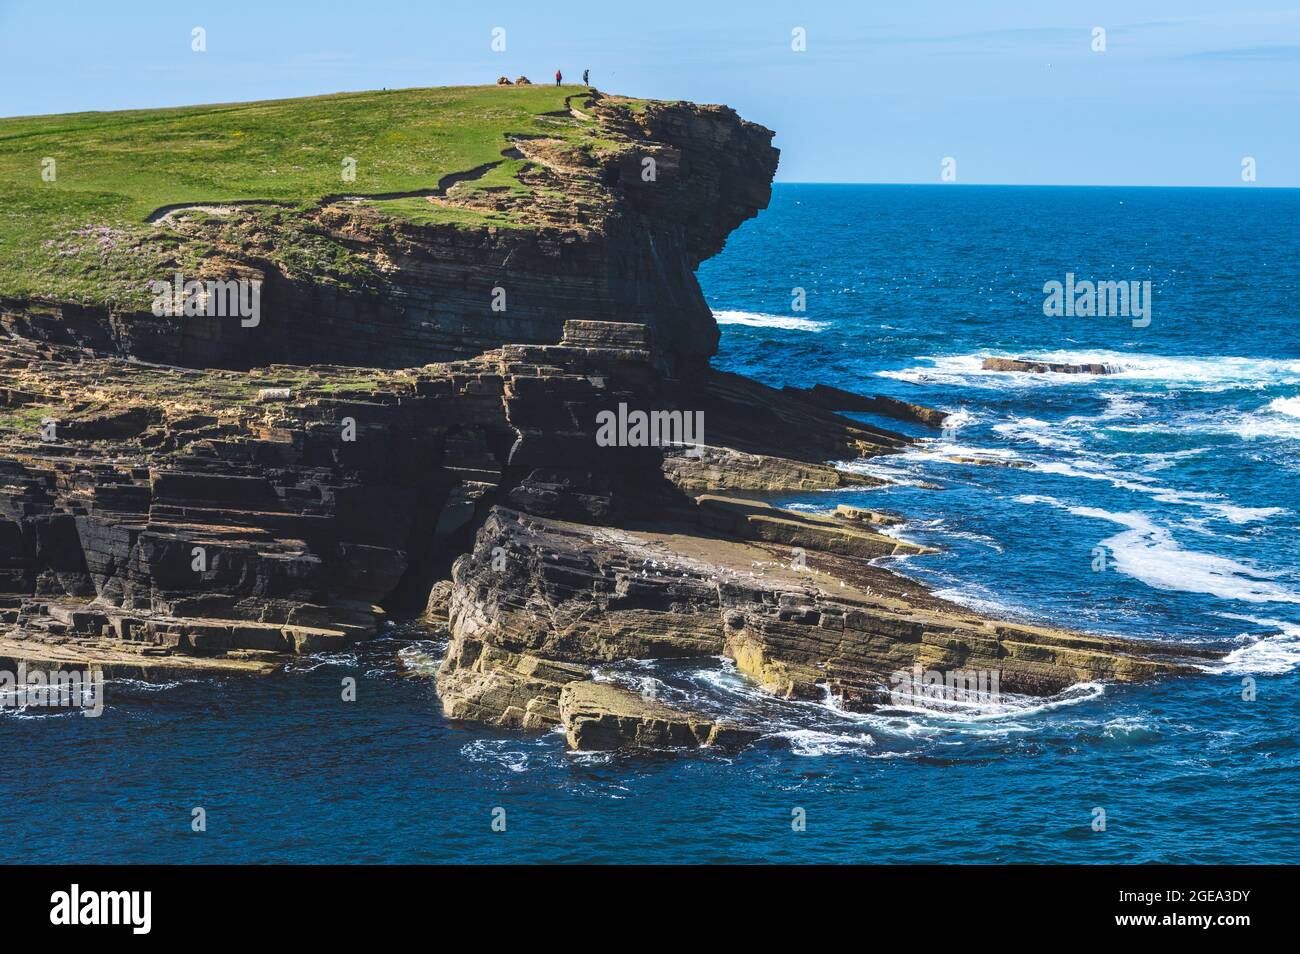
(1158,501)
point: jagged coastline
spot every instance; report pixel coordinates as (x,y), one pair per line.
(382,443)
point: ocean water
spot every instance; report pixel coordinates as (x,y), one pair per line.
(1157,501)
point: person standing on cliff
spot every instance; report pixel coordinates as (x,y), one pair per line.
(585,74)
(558,77)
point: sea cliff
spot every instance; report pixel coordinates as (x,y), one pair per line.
(202,492)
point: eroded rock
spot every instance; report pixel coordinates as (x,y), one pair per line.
(1041,367)
(832,624)
(837,399)
(600,716)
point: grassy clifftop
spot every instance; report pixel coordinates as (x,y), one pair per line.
(78,229)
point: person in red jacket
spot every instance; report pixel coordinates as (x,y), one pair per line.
(558,77)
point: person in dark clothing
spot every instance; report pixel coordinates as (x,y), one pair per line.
(585,75)
(558,77)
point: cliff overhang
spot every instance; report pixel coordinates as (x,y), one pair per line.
(608,228)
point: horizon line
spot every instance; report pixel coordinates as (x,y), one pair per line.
(1244,187)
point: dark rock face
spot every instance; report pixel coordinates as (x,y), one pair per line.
(837,399)
(250,527)
(352,488)
(617,248)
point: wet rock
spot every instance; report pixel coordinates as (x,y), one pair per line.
(989,461)
(539,600)
(1041,367)
(837,399)
(755,520)
(600,716)
(881,518)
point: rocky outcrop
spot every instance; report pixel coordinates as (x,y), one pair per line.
(1041,367)
(755,520)
(200,518)
(540,603)
(837,399)
(593,238)
(701,469)
(600,716)
(216,526)
(174,494)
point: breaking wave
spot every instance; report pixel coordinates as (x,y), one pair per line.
(1148,552)
(1274,653)
(1199,373)
(754,319)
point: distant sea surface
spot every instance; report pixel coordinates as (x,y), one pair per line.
(1178,472)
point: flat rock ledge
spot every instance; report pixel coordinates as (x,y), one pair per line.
(601,716)
(837,399)
(540,605)
(1041,367)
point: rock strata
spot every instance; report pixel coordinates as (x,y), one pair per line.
(182,495)
(593,240)
(1041,367)
(535,591)
(600,716)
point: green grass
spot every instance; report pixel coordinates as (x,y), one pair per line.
(23,419)
(84,236)
(423,212)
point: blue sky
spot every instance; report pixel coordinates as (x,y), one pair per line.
(1011,90)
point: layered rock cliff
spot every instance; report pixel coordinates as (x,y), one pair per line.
(193,493)
(608,235)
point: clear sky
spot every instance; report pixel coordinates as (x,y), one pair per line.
(1011,89)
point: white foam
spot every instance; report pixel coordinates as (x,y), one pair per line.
(939,448)
(1006,706)
(1196,373)
(499,752)
(1268,421)
(975,597)
(1289,406)
(423,657)
(1139,483)
(1278,653)
(958,419)
(754,319)
(813,742)
(1149,553)
(1042,433)
(1128,727)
